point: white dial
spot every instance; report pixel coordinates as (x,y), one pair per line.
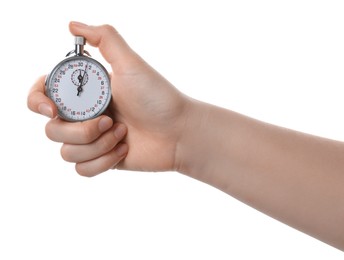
(80,88)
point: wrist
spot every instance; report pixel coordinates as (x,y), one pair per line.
(204,151)
(193,145)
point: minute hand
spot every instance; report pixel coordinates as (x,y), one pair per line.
(80,89)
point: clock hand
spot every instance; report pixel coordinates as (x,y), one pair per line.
(81,80)
(79,90)
(80,77)
(80,87)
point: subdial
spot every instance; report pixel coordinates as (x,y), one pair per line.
(79,77)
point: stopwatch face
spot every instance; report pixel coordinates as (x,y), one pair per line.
(80,88)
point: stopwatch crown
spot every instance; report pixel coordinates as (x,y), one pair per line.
(80,40)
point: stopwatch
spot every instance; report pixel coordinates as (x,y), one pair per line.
(79,85)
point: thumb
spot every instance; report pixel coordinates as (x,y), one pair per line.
(110,43)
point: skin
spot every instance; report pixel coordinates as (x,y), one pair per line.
(151,126)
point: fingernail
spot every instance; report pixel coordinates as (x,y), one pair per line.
(104,124)
(121,150)
(45,110)
(120,131)
(78,24)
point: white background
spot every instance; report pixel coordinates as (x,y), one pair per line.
(277,61)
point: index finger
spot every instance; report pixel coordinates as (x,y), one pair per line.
(38,102)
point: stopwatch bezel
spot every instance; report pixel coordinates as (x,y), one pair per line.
(48,86)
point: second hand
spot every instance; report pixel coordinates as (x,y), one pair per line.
(81,80)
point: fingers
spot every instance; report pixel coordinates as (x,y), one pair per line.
(103,154)
(94,145)
(84,132)
(111,45)
(107,142)
(38,102)
(103,163)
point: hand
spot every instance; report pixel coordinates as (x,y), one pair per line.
(145,106)
(260,164)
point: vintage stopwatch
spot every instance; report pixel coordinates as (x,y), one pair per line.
(79,85)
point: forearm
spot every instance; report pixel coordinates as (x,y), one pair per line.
(291,176)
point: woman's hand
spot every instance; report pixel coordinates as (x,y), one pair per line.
(142,125)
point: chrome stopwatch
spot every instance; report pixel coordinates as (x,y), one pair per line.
(79,85)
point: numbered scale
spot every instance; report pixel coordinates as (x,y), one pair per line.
(79,85)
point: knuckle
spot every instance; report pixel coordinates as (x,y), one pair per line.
(88,133)
(106,143)
(65,153)
(82,171)
(107,28)
(49,131)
